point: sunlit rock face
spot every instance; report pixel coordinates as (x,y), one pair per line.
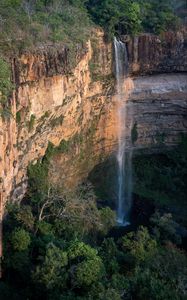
(52,103)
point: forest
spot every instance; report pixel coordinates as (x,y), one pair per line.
(66,245)
(56,20)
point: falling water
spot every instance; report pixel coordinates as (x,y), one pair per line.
(124,158)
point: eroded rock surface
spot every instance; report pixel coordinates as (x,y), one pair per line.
(79,107)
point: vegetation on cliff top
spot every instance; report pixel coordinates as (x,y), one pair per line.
(31,24)
(28,23)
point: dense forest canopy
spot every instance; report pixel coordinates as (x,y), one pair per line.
(59,245)
(24,23)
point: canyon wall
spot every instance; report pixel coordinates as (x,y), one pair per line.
(150,54)
(76,108)
(51,103)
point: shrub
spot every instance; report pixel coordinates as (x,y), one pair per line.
(108,219)
(18,117)
(5,80)
(20,239)
(140,244)
(31,122)
(88,272)
(6,87)
(165,228)
(52,272)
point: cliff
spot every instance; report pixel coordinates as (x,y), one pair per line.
(150,54)
(77,107)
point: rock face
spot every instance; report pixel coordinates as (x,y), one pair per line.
(156,111)
(149,54)
(51,104)
(78,107)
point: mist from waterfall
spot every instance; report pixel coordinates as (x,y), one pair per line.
(123,157)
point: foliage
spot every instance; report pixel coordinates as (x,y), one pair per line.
(116,16)
(81,212)
(20,239)
(50,264)
(5,82)
(70,21)
(162,277)
(63,146)
(109,253)
(88,264)
(31,122)
(158,16)
(38,180)
(78,209)
(140,245)
(125,16)
(165,228)
(162,178)
(52,272)
(59,244)
(47,21)
(6,87)
(18,117)
(108,218)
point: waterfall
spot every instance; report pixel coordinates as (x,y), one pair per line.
(123,157)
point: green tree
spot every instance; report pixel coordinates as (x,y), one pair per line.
(109,253)
(107,218)
(140,244)
(165,228)
(85,263)
(121,16)
(20,239)
(25,217)
(158,16)
(52,272)
(162,277)
(88,272)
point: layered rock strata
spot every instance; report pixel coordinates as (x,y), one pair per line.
(52,103)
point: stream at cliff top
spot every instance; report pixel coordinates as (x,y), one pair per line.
(123,157)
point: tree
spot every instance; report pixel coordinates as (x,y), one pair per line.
(162,277)
(121,16)
(158,16)
(140,244)
(52,272)
(165,228)
(131,17)
(86,265)
(20,239)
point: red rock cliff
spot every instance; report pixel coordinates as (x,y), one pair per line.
(53,104)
